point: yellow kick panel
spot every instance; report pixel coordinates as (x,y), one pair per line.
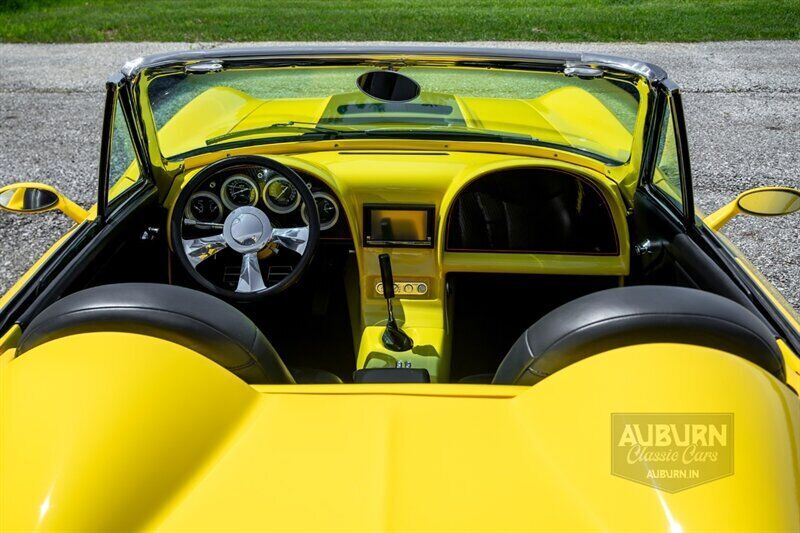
(158,437)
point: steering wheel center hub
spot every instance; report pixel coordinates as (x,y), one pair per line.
(247,229)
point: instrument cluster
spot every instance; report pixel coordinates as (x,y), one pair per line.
(262,188)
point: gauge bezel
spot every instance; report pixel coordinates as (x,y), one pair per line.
(224,190)
(276,208)
(205,194)
(331,199)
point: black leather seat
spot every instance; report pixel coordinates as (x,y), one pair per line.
(638,315)
(193,319)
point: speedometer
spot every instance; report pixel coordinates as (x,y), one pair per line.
(239,190)
(280,195)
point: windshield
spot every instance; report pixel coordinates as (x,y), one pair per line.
(196,112)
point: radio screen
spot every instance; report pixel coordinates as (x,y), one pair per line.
(398,226)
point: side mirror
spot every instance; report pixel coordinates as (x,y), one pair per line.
(761,202)
(38,198)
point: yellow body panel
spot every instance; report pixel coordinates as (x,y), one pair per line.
(17,201)
(129,431)
(39,262)
(158,437)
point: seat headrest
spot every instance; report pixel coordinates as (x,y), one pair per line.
(190,318)
(628,316)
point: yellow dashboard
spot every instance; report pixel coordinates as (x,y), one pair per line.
(435,179)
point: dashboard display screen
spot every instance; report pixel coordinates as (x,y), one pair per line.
(393,226)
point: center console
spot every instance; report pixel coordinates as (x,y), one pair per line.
(402,303)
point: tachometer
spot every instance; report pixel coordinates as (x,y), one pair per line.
(280,195)
(326,207)
(204,207)
(239,190)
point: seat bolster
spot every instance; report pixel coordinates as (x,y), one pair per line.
(638,315)
(195,320)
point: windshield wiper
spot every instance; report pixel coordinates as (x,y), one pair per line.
(307,127)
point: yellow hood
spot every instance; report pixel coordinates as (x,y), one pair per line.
(128,431)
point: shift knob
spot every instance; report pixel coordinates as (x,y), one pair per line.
(386,276)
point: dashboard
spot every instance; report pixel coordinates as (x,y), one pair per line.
(437,213)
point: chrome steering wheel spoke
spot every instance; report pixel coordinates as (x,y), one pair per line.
(294,239)
(246,230)
(250,278)
(200,249)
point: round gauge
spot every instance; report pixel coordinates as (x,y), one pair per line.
(204,207)
(239,190)
(280,195)
(327,209)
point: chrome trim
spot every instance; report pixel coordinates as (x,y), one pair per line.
(198,250)
(247,230)
(332,200)
(223,192)
(294,239)
(582,71)
(276,208)
(295,54)
(204,67)
(250,278)
(203,194)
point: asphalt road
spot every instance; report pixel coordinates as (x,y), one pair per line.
(743,114)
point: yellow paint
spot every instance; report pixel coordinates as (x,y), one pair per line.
(761,199)
(64,204)
(158,437)
(39,262)
(10,338)
(769,290)
(431,351)
(360,177)
(566,115)
(792,362)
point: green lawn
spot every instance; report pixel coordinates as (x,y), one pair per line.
(402,20)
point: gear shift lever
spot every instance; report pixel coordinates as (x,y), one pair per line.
(393,337)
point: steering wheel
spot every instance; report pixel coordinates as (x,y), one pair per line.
(246,230)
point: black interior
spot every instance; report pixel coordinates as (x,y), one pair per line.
(644,314)
(310,326)
(491,310)
(531,210)
(190,318)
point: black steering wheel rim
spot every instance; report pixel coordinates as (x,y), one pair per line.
(176,225)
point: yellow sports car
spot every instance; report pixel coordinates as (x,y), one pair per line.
(396,289)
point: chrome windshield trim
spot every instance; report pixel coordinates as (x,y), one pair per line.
(268,55)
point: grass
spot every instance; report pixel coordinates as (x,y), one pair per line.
(401,20)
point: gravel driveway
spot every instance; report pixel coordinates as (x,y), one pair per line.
(743,113)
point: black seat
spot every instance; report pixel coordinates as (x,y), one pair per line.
(193,319)
(638,315)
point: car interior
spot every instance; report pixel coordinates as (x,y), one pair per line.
(501,276)
(392,260)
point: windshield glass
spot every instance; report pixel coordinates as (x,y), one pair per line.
(207,111)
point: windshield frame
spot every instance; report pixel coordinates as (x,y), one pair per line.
(142,71)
